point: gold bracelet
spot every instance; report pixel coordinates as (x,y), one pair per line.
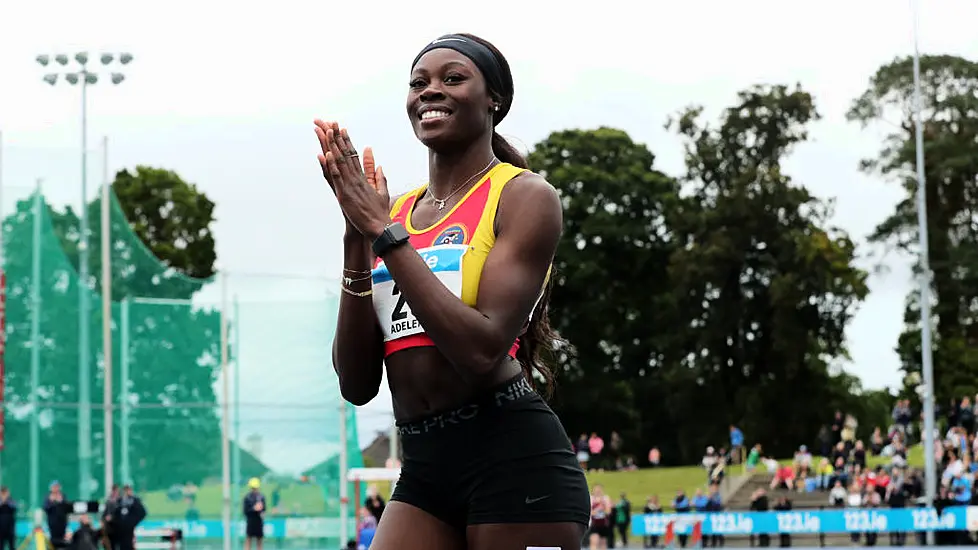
(363,294)
(347,281)
(357,271)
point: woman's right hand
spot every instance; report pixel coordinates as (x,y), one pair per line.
(373,173)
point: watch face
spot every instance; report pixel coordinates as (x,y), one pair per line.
(398,232)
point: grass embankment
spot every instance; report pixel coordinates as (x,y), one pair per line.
(638,485)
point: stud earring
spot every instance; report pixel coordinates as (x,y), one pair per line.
(495,107)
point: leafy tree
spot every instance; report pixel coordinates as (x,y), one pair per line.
(173,349)
(949,86)
(767,285)
(694,304)
(611,296)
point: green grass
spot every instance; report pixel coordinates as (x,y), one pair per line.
(638,485)
(296,500)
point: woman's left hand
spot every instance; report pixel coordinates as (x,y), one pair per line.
(364,201)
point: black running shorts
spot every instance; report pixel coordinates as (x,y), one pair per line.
(255,529)
(503,459)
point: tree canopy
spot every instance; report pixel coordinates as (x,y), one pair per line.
(692,303)
(949,113)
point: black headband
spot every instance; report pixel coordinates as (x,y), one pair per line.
(497,81)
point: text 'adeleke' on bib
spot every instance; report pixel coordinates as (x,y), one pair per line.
(393,312)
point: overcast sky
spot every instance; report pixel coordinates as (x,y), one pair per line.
(225,93)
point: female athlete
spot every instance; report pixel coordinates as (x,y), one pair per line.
(448,284)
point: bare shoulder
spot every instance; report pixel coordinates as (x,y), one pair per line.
(530,198)
(530,185)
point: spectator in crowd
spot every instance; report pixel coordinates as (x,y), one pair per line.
(825,440)
(759,503)
(583,455)
(837,424)
(131,513)
(56,511)
(825,473)
(854,500)
(85,537)
(784,478)
(736,444)
(849,431)
(966,416)
(715,504)
(655,457)
(600,531)
(374,502)
(709,460)
(700,502)
(953,411)
(595,445)
(681,505)
(614,445)
(8,520)
(254,513)
(110,516)
(366,528)
(783,505)
(876,442)
(858,455)
(838,496)
(622,519)
(652,506)
(754,457)
(896,497)
(803,458)
(718,472)
(902,416)
(366,519)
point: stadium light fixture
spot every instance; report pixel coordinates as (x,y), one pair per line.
(83,75)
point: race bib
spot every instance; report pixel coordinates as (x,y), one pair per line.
(393,312)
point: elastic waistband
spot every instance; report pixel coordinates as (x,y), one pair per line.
(510,391)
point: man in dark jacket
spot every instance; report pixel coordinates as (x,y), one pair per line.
(254,513)
(85,537)
(109,516)
(56,511)
(129,513)
(759,503)
(8,520)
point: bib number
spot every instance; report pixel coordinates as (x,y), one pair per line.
(393,311)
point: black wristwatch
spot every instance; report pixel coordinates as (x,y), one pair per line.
(394,235)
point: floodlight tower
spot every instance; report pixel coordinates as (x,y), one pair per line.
(82,75)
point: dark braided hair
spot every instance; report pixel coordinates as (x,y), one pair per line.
(540,341)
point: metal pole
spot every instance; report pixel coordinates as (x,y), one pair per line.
(344,483)
(236,478)
(225,410)
(109,429)
(125,472)
(35,348)
(84,377)
(930,468)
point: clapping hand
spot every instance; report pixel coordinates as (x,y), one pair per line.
(360,190)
